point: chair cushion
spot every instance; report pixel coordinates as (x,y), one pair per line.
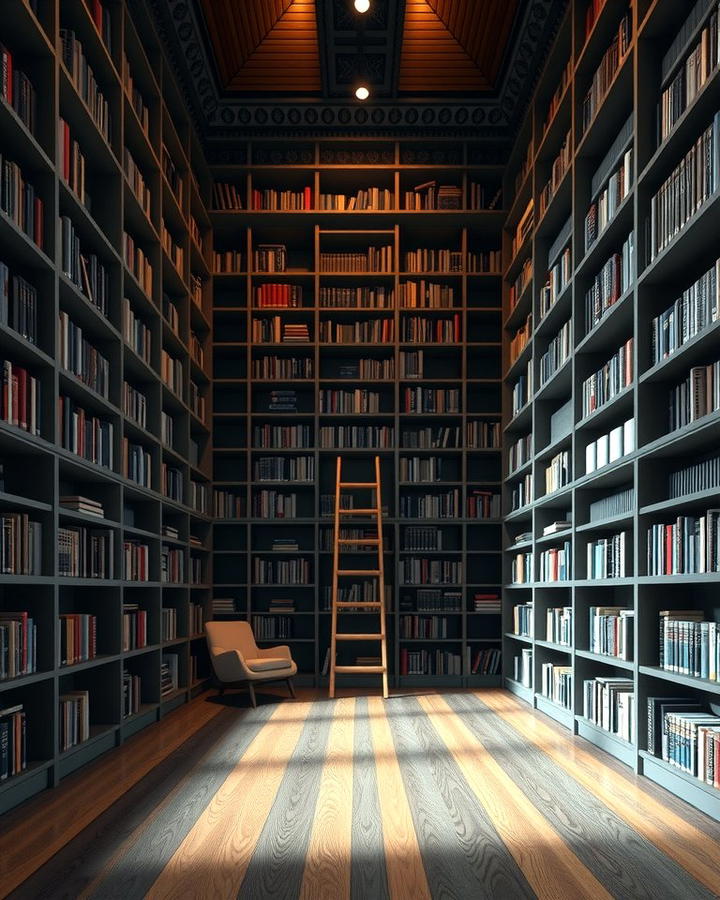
(268,664)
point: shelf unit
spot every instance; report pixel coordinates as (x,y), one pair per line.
(623,119)
(470,365)
(37,468)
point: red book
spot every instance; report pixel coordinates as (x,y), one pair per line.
(22,377)
(307,198)
(39,223)
(668,549)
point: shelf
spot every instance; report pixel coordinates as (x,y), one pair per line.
(606,659)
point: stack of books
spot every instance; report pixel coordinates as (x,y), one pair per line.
(223,606)
(168,673)
(295,332)
(283,401)
(285,545)
(488,603)
(78,503)
(282,605)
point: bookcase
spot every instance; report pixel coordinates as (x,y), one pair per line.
(357,293)
(105,445)
(610,320)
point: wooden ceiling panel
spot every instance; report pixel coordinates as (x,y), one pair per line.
(448,46)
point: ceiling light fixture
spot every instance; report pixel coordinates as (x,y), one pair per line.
(362,6)
(362,92)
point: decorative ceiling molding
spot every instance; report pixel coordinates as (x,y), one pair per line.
(221,115)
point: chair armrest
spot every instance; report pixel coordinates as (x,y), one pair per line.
(229,666)
(282,651)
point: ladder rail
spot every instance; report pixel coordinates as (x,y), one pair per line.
(379,573)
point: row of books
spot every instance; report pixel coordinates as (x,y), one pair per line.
(71,162)
(172,482)
(444,436)
(522,280)
(168,623)
(483,504)
(703,475)
(18,644)
(681,195)
(281,571)
(482,434)
(358,401)
(426,599)
(135,404)
(520,452)
(137,182)
(134,627)
(228,505)
(358,437)
(77,638)
(417,330)
(700,63)
(135,332)
(610,447)
(360,592)
(523,622)
(269,504)
(522,667)
(17,90)
(522,390)
(374,259)
(415,570)
(131,694)
(291,368)
(136,561)
(281,437)
(609,702)
(13,741)
(522,492)
(172,175)
(85,552)
(695,310)
(365,198)
(430,662)
(18,304)
(366,331)
(423,627)
(612,378)
(556,684)
(429,259)
(610,284)
(136,463)
(605,73)
(74,718)
(83,77)
(360,297)
(421,469)
(174,251)
(169,673)
(272,628)
(559,625)
(695,397)
(416,537)
(431,195)
(85,270)
(611,631)
(690,545)
(430,400)
(269,294)
(77,355)
(557,353)
(138,263)
(606,557)
(172,565)
(227,262)
(520,339)
(137,101)
(617,504)
(483,661)
(559,167)
(287,200)
(275,331)
(602,211)
(20,398)
(558,278)
(689,644)
(19,201)
(281,468)
(368,369)
(558,473)
(556,563)
(431,506)
(226,197)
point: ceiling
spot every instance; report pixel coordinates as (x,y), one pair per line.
(297,47)
(260,66)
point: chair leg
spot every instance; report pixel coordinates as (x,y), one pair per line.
(251,689)
(288,682)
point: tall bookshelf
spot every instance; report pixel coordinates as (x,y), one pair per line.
(550,419)
(332,360)
(116,380)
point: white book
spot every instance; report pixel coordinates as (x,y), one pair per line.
(591,457)
(628,436)
(603,451)
(615,443)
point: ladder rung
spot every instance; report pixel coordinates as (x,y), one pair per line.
(370,604)
(358,484)
(372,572)
(359,637)
(359,541)
(368,669)
(359,512)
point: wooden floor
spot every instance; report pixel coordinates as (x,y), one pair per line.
(456,795)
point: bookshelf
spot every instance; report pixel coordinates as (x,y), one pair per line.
(583,291)
(406,354)
(104,645)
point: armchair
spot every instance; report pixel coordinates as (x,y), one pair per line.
(236,658)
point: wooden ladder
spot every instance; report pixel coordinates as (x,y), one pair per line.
(337,605)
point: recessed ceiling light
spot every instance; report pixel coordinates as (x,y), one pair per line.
(362,6)
(361,91)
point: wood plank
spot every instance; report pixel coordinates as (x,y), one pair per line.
(368,874)
(327,862)
(695,851)
(405,871)
(548,864)
(462,851)
(36,831)
(215,855)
